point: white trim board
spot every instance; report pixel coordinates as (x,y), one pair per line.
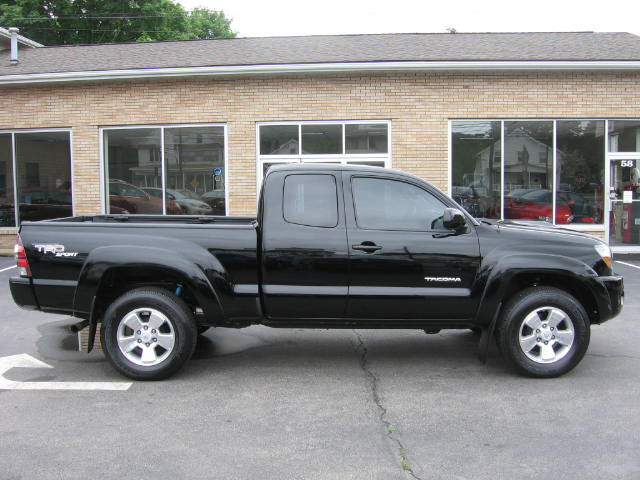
(329,67)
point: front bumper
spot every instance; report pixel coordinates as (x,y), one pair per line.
(610,296)
(23,293)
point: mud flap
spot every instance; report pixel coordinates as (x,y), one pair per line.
(487,335)
(93,325)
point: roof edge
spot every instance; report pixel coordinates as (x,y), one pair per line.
(346,67)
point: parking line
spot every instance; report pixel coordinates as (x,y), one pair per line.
(8,268)
(617,261)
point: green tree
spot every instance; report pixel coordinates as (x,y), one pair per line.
(64,22)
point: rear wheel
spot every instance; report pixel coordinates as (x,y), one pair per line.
(148,334)
(544,332)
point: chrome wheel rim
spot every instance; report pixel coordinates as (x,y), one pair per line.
(146,336)
(546,335)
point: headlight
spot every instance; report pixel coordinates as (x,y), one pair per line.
(605,252)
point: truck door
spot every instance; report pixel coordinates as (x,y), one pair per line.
(403,263)
(304,245)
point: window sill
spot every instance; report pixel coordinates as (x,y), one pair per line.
(585,227)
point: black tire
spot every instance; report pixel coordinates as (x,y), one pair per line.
(179,321)
(512,325)
(203,328)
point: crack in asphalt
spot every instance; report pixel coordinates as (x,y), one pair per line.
(611,356)
(373,381)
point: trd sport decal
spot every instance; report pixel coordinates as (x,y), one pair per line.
(56,250)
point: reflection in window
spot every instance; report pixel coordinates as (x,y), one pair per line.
(624,136)
(195,170)
(580,170)
(279,140)
(43,163)
(132,157)
(528,169)
(311,200)
(366,138)
(322,139)
(392,205)
(476,169)
(7,213)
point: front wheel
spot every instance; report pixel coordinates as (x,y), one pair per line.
(544,332)
(148,334)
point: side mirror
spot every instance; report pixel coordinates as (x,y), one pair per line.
(453,219)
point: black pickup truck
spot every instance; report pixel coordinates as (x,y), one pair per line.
(332,247)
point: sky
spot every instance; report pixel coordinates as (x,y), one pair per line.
(258,18)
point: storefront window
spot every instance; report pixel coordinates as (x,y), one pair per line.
(356,143)
(476,170)
(529,159)
(134,181)
(194,173)
(43,163)
(580,170)
(7,210)
(279,140)
(528,171)
(624,136)
(195,170)
(322,139)
(367,138)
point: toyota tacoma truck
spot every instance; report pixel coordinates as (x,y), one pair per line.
(331,247)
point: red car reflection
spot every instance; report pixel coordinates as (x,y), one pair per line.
(537,205)
(123,195)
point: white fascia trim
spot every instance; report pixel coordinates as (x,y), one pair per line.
(453,66)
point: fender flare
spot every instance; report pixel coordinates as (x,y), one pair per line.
(507,267)
(190,271)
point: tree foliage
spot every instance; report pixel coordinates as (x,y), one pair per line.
(64,22)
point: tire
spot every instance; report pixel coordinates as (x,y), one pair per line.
(543,332)
(148,334)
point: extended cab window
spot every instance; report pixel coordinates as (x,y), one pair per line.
(383,204)
(311,200)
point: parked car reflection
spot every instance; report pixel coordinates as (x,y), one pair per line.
(125,196)
(538,205)
(189,202)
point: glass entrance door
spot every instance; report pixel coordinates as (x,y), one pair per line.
(624,202)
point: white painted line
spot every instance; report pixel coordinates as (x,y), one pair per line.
(8,268)
(27,361)
(628,264)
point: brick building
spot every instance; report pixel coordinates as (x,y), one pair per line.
(108,128)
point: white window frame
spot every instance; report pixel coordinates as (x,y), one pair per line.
(104,168)
(342,158)
(601,227)
(13,132)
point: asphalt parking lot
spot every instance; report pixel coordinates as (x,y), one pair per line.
(303,404)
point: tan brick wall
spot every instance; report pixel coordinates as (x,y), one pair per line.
(419,105)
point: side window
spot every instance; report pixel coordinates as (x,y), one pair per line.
(311,200)
(382,204)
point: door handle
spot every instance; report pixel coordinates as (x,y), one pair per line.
(367,247)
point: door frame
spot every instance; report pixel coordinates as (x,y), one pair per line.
(615,157)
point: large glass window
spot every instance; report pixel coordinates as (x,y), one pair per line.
(579,171)
(526,173)
(43,168)
(362,143)
(192,176)
(382,204)
(477,169)
(7,210)
(528,169)
(194,164)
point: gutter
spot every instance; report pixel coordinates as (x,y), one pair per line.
(348,67)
